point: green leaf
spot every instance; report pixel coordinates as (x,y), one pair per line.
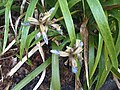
(111,2)
(91,54)
(71,3)
(103,78)
(68,20)
(7,10)
(2,11)
(55,81)
(104,29)
(118,41)
(105,71)
(32,75)
(115,72)
(65,41)
(25,29)
(30,38)
(54,12)
(2,3)
(116,14)
(97,56)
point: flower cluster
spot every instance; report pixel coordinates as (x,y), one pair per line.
(44,22)
(72,54)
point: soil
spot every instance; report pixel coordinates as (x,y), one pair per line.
(6,62)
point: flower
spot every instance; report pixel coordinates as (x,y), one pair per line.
(43,22)
(72,53)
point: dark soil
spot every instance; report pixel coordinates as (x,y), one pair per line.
(6,61)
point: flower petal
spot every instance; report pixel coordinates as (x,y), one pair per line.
(74,69)
(43,31)
(47,15)
(25,23)
(51,10)
(64,54)
(78,50)
(69,49)
(57,27)
(38,35)
(57,52)
(80,57)
(45,37)
(33,20)
(74,63)
(79,43)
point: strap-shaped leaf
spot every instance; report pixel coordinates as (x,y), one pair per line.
(68,20)
(7,10)
(32,75)
(97,56)
(115,72)
(55,82)
(25,29)
(71,3)
(112,2)
(91,54)
(104,29)
(116,14)
(106,70)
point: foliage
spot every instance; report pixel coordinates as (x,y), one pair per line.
(42,24)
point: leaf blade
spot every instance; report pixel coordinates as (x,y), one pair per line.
(104,29)
(68,20)
(55,82)
(32,75)
(7,10)
(25,29)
